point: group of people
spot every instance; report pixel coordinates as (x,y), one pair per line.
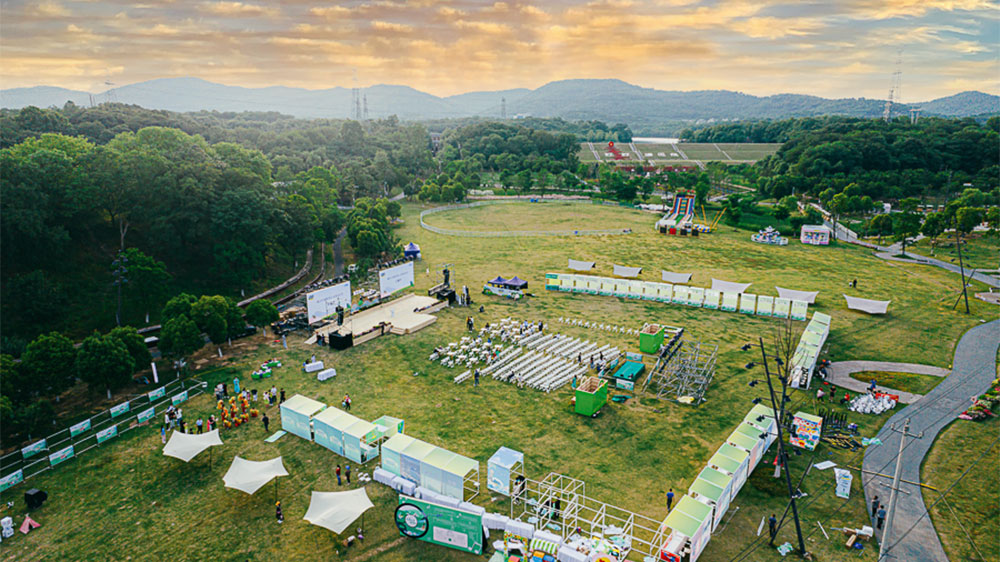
(846,399)
(173,418)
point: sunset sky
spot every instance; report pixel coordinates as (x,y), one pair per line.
(829,48)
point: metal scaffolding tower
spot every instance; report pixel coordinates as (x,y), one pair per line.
(685,376)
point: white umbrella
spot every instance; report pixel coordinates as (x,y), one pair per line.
(337,510)
(186,446)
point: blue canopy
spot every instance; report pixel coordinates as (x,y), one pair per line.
(506,458)
(516,282)
(498,281)
(411,246)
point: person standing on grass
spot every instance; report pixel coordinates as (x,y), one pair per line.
(266,421)
(347,473)
(874,506)
(772,526)
(880,516)
(274,394)
(198,424)
(475,378)
(163,433)
(282,400)
(670,498)
(277,512)
(337,470)
(820,394)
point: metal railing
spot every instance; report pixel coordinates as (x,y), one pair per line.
(509,233)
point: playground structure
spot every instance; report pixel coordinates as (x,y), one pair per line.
(769,236)
(680,219)
(683,371)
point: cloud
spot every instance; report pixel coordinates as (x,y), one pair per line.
(237,9)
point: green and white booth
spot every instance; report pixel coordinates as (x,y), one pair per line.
(389,426)
(439,470)
(361,439)
(747,437)
(765,424)
(692,520)
(328,427)
(297,413)
(715,489)
(738,464)
(391,451)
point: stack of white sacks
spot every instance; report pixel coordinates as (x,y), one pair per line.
(869,404)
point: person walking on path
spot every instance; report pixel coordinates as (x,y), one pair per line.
(277,512)
(266,421)
(874,506)
(871,388)
(880,516)
(670,498)
(772,526)
(347,472)
(338,475)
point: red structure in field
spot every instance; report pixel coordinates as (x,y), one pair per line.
(613,150)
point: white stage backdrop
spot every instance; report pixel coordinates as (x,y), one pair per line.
(395,279)
(324,302)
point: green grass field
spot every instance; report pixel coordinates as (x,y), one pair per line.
(147,506)
(541,217)
(969,514)
(905,382)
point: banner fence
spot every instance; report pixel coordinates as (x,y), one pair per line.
(99,430)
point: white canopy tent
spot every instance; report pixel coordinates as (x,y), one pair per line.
(250,476)
(337,510)
(791,294)
(867,305)
(577,265)
(186,446)
(675,278)
(625,271)
(729,286)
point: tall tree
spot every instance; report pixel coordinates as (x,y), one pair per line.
(104,363)
(180,337)
(261,313)
(134,343)
(49,362)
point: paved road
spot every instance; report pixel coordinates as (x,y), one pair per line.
(973,368)
(840,375)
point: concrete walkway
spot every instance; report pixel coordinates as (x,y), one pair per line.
(973,369)
(839,373)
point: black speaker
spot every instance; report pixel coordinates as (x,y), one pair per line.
(35,498)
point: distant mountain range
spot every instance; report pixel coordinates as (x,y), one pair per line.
(612,101)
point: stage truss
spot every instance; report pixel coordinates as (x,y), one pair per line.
(685,376)
(560,504)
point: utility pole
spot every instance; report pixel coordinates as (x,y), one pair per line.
(782,456)
(883,544)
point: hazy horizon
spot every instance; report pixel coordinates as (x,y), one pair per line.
(833,50)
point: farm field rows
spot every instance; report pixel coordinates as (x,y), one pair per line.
(664,154)
(629,456)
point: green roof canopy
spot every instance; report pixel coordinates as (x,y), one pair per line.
(707,489)
(682,523)
(303,405)
(715,477)
(728,464)
(397,443)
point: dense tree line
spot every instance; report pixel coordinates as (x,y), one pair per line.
(501,146)
(169,207)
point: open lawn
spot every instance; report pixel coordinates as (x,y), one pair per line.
(981,251)
(148,506)
(540,217)
(968,518)
(905,382)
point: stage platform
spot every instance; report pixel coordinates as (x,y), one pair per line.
(404,315)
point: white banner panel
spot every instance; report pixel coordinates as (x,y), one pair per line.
(324,302)
(395,279)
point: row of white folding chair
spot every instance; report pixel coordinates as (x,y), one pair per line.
(559,344)
(502,359)
(563,377)
(463,377)
(582,353)
(519,363)
(545,382)
(573,349)
(536,341)
(540,370)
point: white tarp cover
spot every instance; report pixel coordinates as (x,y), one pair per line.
(675,278)
(866,305)
(186,446)
(729,287)
(625,271)
(791,294)
(250,476)
(337,510)
(577,265)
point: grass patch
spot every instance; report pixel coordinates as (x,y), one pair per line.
(905,382)
(980,251)
(543,217)
(629,456)
(971,508)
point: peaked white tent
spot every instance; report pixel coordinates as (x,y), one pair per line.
(186,446)
(625,271)
(250,476)
(729,286)
(675,278)
(867,305)
(337,510)
(791,294)
(577,265)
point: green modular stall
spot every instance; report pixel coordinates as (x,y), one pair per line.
(391,451)
(297,413)
(762,418)
(692,519)
(411,459)
(651,338)
(709,494)
(361,441)
(328,428)
(742,457)
(591,396)
(389,426)
(746,437)
(723,482)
